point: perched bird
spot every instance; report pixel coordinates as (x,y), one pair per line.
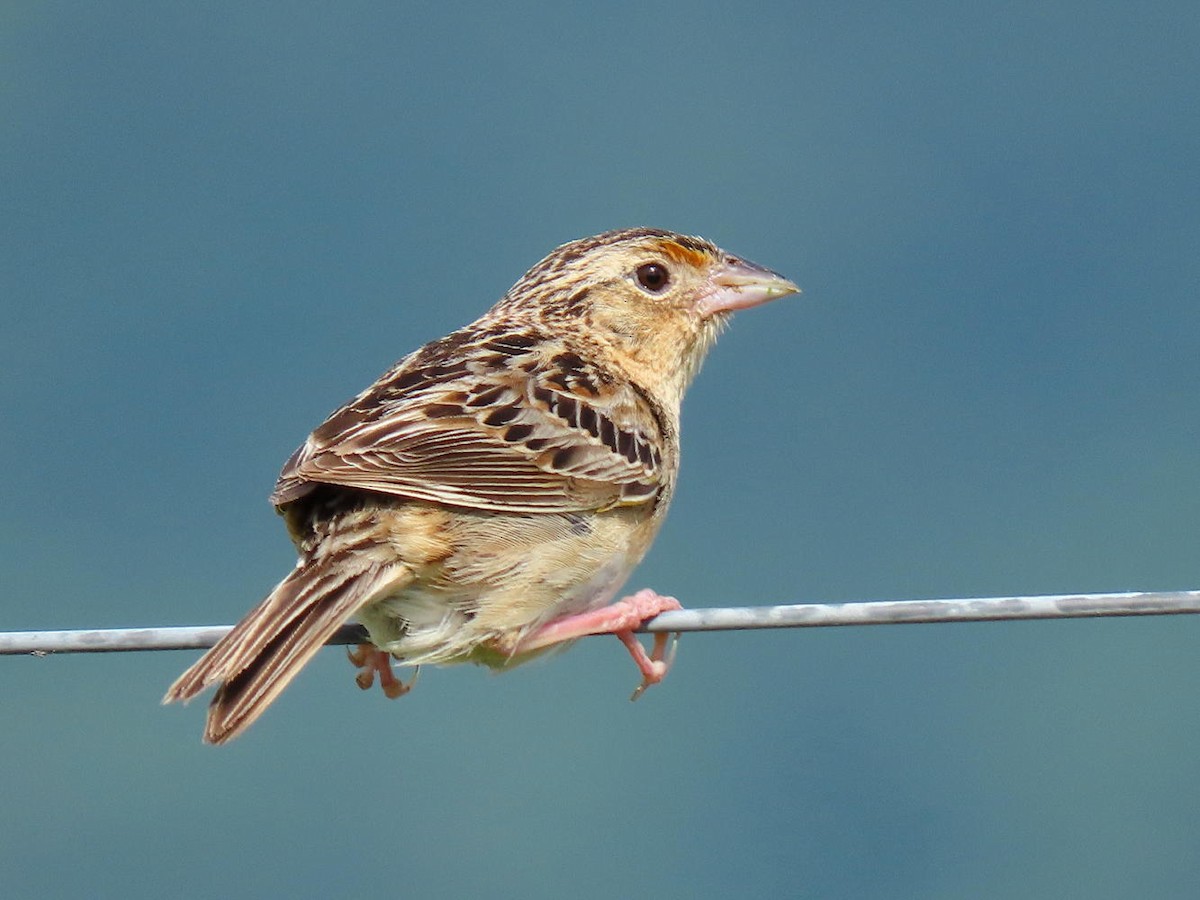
(486,498)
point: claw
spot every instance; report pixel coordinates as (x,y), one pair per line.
(653,667)
(374,661)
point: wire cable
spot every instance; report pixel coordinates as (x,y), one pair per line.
(800,615)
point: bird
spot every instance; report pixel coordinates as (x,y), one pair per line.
(486,498)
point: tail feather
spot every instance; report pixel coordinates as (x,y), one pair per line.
(266,650)
(291,600)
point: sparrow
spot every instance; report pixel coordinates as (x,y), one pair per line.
(486,498)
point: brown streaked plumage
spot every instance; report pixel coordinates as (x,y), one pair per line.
(486,498)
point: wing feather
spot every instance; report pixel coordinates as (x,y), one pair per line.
(527,427)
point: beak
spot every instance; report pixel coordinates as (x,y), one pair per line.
(738,284)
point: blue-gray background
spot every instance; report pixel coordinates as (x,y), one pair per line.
(221,220)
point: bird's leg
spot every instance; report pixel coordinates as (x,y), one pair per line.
(371,660)
(653,667)
(620,618)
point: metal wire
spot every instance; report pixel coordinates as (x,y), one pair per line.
(801,615)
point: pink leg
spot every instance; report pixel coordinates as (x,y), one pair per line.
(371,660)
(621,618)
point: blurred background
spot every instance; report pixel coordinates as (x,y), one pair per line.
(219,221)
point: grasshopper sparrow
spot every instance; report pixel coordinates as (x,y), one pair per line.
(486,498)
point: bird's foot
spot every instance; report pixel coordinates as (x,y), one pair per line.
(371,660)
(622,619)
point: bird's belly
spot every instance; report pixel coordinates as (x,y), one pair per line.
(508,576)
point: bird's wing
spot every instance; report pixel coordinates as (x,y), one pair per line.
(498,420)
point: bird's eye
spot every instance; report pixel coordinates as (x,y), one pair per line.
(654,277)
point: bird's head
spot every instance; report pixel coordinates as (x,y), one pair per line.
(657,300)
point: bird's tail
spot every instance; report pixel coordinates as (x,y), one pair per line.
(265,651)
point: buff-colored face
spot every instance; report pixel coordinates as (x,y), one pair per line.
(658,298)
(655,270)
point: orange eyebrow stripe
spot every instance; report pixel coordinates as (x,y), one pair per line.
(684,255)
